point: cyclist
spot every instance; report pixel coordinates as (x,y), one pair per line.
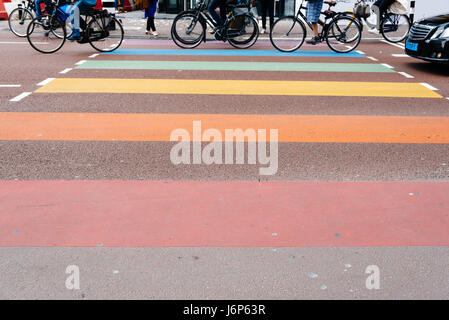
(79,6)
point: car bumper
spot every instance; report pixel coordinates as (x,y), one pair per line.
(431,50)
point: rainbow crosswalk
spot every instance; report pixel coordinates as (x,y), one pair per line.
(184,212)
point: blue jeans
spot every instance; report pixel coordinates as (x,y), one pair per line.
(79,7)
(214,4)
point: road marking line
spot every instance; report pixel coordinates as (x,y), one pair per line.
(159,127)
(361,52)
(387,66)
(372,58)
(21,96)
(46,81)
(227,52)
(233,66)
(239,87)
(94,55)
(80,62)
(66,70)
(406,75)
(400,55)
(397,45)
(428,86)
(10,85)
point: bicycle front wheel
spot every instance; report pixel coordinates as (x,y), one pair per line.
(46,34)
(105,34)
(187,31)
(395,27)
(18,21)
(343,34)
(242,32)
(288,34)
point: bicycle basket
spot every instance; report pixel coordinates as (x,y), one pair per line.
(362,10)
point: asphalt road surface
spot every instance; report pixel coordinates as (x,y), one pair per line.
(361,178)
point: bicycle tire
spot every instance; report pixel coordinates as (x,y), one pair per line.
(342,38)
(245,44)
(117,27)
(12,16)
(384,27)
(183,42)
(285,25)
(37,27)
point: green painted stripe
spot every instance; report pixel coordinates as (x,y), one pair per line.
(233,66)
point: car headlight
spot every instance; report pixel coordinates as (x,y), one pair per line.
(445,33)
(442,32)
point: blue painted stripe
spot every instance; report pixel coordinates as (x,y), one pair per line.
(247,53)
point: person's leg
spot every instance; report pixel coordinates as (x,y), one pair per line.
(376,10)
(313,15)
(271,12)
(75,21)
(264,14)
(214,4)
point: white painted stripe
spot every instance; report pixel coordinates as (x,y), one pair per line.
(21,96)
(428,86)
(406,75)
(66,70)
(46,81)
(397,45)
(361,52)
(400,55)
(372,58)
(80,62)
(94,55)
(387,65)
(10,85)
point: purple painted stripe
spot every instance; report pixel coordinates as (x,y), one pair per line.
(138,42)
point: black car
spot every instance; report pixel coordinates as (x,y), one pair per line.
(429,39)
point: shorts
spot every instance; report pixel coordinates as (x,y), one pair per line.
(313,10)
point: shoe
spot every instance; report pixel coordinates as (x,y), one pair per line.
(314,40)
(74,37)
(263,31)
(149,32)
(373,31)
(155,33)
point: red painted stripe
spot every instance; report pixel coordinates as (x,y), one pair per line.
(199,213)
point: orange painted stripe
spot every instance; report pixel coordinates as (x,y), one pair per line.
(158,127)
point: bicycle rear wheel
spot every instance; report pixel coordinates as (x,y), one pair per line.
(395,27)
(187,31)
(242,32)
(46,34)
(288,34)
(18,21)
(105,33)
(343,34)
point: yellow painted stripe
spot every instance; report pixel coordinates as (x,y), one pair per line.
(240,87)
(158,127)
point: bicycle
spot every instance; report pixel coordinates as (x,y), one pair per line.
(393,27)
(341,32)
(99,28)
(240,28)
(21,16)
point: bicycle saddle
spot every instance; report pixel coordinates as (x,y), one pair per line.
(331,3)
